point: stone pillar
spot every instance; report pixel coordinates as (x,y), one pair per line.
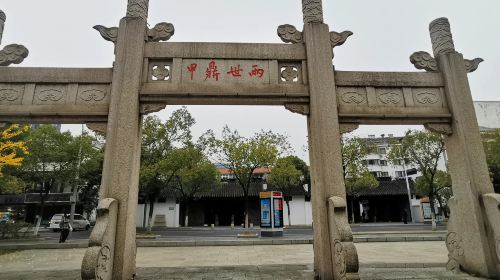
(324,135)
(3,17)
(469,240)
(123,136)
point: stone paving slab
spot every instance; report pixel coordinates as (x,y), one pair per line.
(266,272)
(381,255)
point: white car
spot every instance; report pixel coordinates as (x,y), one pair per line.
(79,222)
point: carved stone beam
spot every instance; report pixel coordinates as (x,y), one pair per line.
(13,53)
(99,128)
(289,34)
(312,11)
(491,202)
(348,127)
(442,43)
(337,39)
(302,109)
(344,254)
(441,128)
(98,259)
(148,108)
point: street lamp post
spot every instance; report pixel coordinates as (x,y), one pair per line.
(409,192)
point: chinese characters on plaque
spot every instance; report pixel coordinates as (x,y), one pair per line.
(224,70)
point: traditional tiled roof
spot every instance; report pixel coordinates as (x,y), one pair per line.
(233,189)
(386,188)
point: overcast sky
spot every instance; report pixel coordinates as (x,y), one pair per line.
(59,33)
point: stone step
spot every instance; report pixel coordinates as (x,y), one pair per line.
(160,220)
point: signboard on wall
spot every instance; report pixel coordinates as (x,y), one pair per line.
(426,209)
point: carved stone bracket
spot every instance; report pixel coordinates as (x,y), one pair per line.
(491,203)
(13,53)
(441,128)
(99,128)
(289,34)
(302,109)
(108,33)
(424,60)
(344,254)
(161,32)
(98,259)
(471,65)
(152,108)
(337,39)
(348,127)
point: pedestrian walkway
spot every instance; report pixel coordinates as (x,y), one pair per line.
(237,262)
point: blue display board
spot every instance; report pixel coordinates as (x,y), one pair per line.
(265,212)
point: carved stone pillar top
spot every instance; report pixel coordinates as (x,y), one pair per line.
(138,8)
(442,41)
(3,17)
(312,11)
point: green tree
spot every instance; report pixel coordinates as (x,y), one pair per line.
(440,188)
(195,174)
(51,162)
(158,141)
(242,155)
(421,149)
(11,184)
(356,174)
(285,176)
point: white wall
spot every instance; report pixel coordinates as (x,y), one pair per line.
(488,113)
(300,211)
(169,208)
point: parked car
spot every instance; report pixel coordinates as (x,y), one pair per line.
(79,222)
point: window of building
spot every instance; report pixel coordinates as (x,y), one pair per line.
(383,162)
(384,174)
(372,161)
(382,151)
(400,174)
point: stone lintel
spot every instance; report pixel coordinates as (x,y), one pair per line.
(195,50)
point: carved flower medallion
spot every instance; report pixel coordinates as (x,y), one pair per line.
(9,94)
(353,97)
(389,97)
(50,95)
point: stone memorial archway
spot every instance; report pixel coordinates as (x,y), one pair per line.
(149,74)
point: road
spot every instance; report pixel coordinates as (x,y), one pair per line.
(222,232)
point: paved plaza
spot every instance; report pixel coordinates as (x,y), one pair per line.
(387,260)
